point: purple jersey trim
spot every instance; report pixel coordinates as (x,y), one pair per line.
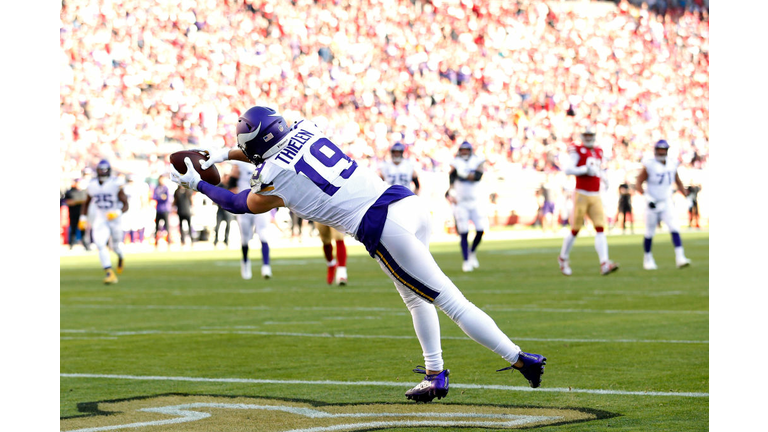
(369,231)
(233,203)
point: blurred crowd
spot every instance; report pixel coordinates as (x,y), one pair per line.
(519,79)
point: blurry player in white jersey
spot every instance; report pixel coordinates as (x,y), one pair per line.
(399,171)
(660,172)
(249,223)
(299,168)
(466,170)
(585,162)
(135,221)
(110,202)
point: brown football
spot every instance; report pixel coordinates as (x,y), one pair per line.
(211,175)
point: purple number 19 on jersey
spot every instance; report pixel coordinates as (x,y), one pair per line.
(320,150)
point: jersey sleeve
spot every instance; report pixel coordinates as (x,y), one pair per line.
(647,163)
(261,179)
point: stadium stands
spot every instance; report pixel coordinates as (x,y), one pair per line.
(518,79)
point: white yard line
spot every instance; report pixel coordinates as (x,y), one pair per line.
(382,384)
(341,335)
(375,309)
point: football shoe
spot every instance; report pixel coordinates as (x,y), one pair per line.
(565,266)
(649,263)
(110,278)
(341,276)
(473,260)
(608,267)
(245,269)
(266,271)
(466,266)
(432,386)
(682,262)
(120,265)
(532,369)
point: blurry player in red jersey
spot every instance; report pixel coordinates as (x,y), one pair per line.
(585,162)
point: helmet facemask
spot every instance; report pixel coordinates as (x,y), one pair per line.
(588,139)
(397,156)
(103,171)
(465,150)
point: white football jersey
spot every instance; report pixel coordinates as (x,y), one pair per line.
(398,174)
(136,192)
(246,172)
(661,178)
(466,190)
(317,181)
(104,197)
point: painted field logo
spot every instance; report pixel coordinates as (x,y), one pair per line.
(206,413)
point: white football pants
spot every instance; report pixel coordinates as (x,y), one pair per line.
(102,231)
(404,256)
(652,218)
(249,222)
(469,211)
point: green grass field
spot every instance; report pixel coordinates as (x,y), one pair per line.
(632,347)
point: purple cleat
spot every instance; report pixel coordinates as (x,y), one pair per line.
(533,368)
(433,386)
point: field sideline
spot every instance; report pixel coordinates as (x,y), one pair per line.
(185,323)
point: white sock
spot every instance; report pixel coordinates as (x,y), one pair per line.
(477,324)
(679,253)
(427,326)
(601,246)
(568,241)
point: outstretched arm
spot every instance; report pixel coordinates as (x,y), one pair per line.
(240,203)
(243,202)
(224,155)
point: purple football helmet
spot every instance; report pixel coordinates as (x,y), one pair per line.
(103,170)
(259,130)
(398,148)
(660,151)
(465,146)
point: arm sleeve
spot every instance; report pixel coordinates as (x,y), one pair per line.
(478,175)
(233,203)
(416,182)
(452,177)
(571,168)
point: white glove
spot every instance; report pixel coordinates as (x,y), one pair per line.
(216,156)
(592,171)
(190,179)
